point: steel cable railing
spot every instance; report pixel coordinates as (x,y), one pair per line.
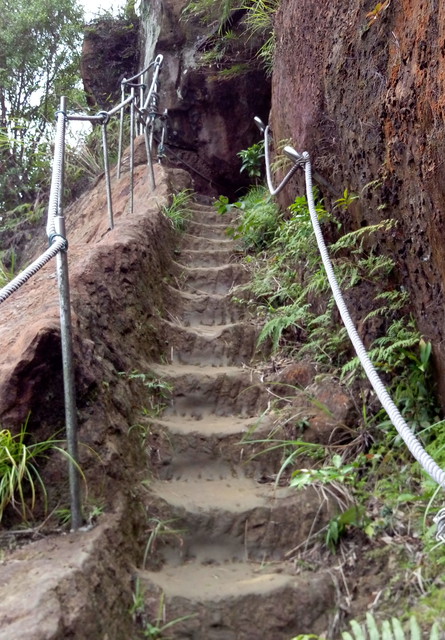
(55,229)
(410,440)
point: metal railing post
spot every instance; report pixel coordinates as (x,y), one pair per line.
(107,170)
(121,132)
(141,104)
(132,150)
(66,340)
(149,158)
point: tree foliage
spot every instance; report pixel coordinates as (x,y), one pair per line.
(39,55)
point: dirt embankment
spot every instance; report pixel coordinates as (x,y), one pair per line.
(54,587)
(361,89)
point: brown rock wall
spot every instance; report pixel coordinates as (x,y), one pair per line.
(366,99)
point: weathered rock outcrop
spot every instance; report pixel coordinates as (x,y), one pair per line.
(364,95)
(109,53)
(211,105)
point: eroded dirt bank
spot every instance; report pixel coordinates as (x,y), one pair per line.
(55,586)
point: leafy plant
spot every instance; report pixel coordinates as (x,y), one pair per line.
(222,205)
(252,159)
(258,219)
(156,628)
(159,390)
(376,12)
(159,529)
(346,200)
(34,72)
(179,211)
(259,22)
(7,274)
(19,474)
(389,630)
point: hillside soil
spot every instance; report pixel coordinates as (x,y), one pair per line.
(184,522)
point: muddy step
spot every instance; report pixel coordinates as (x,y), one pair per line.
(213,498)
(212,345)
(218,280)
(209,215)
(240,601)
(242,443)
(212,230)
(206,258)
(189,241)
(202,309)
(201,391)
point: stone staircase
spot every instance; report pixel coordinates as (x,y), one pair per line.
(219,569)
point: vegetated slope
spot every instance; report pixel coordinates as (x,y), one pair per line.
(359,85)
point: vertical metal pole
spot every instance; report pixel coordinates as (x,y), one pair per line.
(67,352)
(141,104)
(121,133)
(131,150)
(149,157)
(107,175)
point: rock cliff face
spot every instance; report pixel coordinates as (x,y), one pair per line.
(363,91)
(211,103)
(109,53)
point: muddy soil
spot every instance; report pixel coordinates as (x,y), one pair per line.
(189,530)
(222,533)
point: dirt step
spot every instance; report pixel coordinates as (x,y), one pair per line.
(205,258)
(215,345)
(207,229)
(213,279)
(208,214)
(222,391)
(189,241)
(203,309)
(240,601)
(239,442)
(214,498)
(214,426)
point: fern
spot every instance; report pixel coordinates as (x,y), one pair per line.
(352,239)
(390,630)
(395,300)
(286,317)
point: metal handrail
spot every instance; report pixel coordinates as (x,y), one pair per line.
(55,229)
(147,118)
(411,441)
(265,130)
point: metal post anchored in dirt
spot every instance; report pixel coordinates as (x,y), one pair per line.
(65,327)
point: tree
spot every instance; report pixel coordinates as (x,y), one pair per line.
(39,60)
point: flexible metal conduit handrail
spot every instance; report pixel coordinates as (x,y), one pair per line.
(266,131)
(411,441)
(55,229)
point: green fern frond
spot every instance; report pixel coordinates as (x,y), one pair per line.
(389,630)
(286,317)
(352,239)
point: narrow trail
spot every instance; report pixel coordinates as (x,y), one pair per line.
(221,546)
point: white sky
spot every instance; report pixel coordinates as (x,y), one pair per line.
(92,7)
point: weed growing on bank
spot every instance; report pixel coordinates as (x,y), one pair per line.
(20,479)
(179,211)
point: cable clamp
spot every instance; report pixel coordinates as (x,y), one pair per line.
(105,117)
(53,236)
(64,113)
(439,519)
